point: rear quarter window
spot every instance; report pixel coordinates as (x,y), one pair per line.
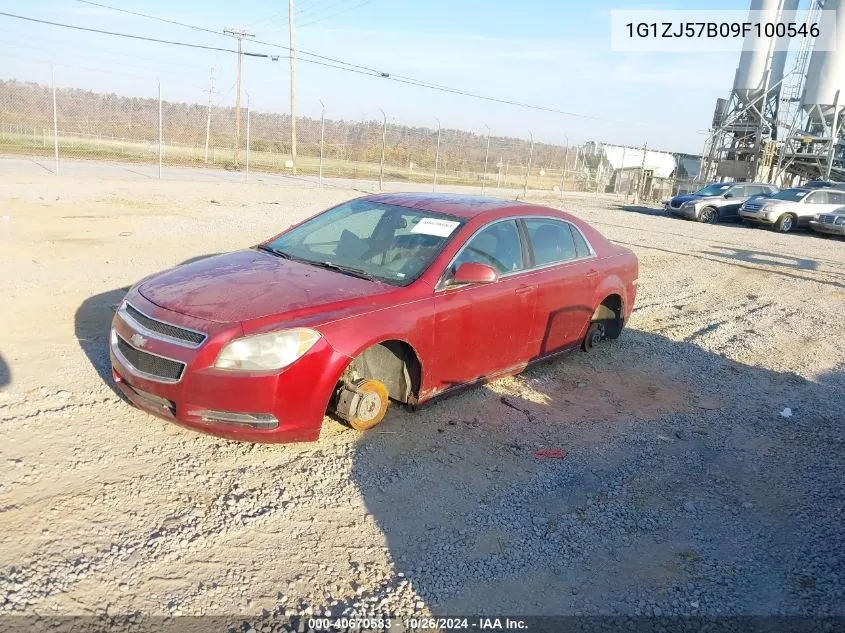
(581,246)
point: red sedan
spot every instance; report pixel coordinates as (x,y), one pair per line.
(399,297)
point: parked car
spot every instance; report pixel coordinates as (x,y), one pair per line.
(832,222)
(722,205)
(791,208)
(713,189)
(399,297)
(821,184)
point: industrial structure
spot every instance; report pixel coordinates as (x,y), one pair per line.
(783,120)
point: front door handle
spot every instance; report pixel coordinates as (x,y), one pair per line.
(523,290)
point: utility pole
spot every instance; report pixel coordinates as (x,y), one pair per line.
(292,88)
(240,34)
(208,116)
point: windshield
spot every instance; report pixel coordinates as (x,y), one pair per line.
(369,239)
(716,189)
(790,194)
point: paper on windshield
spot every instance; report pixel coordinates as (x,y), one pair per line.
(435,226)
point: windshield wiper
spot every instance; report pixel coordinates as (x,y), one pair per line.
(346,270)
(273,251)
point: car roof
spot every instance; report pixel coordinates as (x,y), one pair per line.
(464,206)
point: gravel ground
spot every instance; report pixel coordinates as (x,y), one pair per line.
(686,489)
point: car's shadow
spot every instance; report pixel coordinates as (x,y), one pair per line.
(677,495)
(733,222)
(765,258)
(5,372)
(632,208)
(92,322)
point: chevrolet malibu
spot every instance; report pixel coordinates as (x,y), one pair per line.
(392,297)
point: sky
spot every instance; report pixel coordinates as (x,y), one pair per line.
(554,53)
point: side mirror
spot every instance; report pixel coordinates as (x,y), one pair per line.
(728,195)
(475,273)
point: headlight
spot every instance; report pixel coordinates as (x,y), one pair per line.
(817,217)
(840,220)
(262,352)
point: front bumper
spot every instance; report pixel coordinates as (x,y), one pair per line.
(756,217)
(683,212)
(285,406)
(832,229)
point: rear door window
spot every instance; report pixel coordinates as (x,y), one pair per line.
(817,197)
(835,197)
(552,241)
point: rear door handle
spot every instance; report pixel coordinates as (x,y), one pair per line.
(523,290)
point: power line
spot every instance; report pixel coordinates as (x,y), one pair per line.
(194,27)
(337,13)
(320,6)
(333,63)
(150,17)
(134,37)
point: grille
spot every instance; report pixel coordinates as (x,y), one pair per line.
(753,206)
(166,329)
(827,219)
(150,363)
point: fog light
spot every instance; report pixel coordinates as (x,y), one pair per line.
(263,421)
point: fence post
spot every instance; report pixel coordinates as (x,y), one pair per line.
(528,171)
(575,166)
(322,138)
(638,190)
(436,155)
(246,175)
(55,123)
(486,156)
(565,164)
(160,144)
(383,140)
(621,171)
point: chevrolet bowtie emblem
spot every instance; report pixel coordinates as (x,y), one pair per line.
(138,340)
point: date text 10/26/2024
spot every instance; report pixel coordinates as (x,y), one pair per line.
(418,624)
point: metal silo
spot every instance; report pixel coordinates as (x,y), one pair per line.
(750,78)
(826,73)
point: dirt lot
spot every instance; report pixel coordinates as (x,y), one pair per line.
(686,489)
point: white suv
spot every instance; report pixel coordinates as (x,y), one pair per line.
(791,207)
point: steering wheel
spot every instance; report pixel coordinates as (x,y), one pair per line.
(499,266)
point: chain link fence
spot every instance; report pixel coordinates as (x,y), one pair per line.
(70,123)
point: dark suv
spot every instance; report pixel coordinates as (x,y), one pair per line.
(719,201)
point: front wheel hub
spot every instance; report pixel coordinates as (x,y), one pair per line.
(362,403)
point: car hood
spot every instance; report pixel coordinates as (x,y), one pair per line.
(685,198)
(250,284)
